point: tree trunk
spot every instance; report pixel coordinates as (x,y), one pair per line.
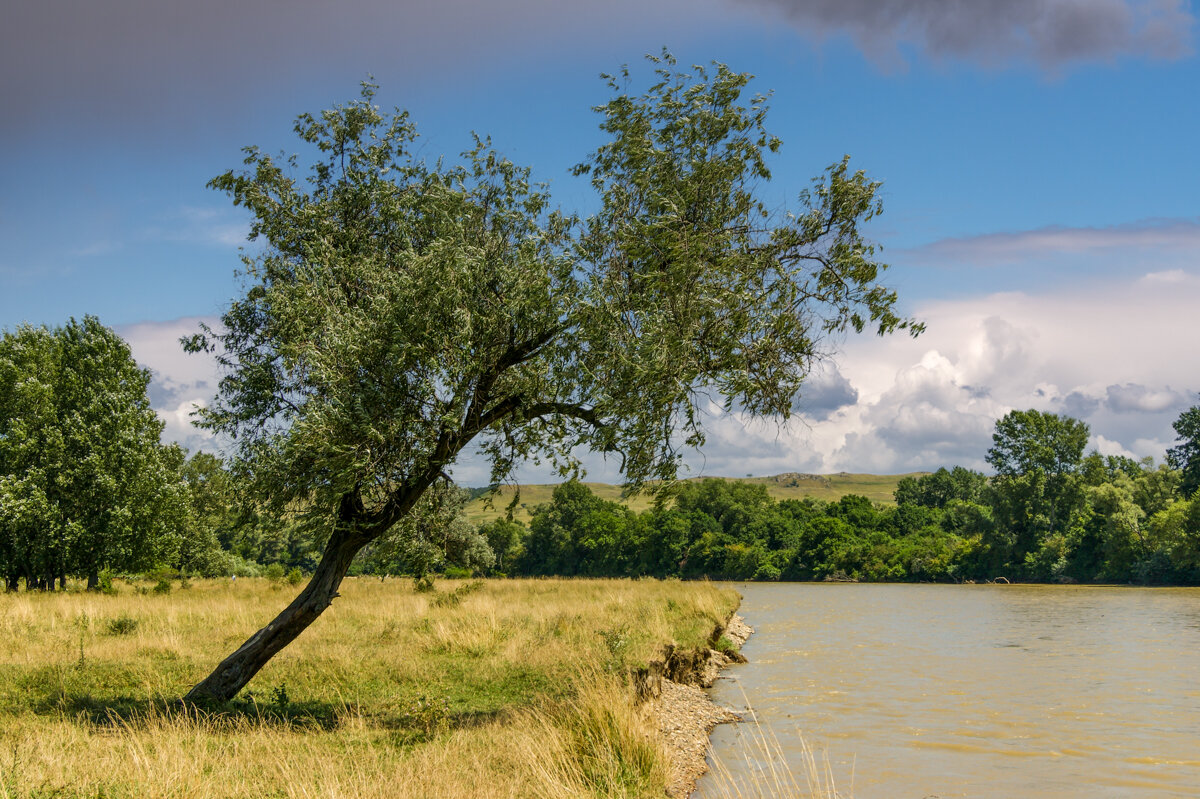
(239,668)
(93,580)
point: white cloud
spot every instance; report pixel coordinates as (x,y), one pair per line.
(1167,276)
(1117,354)
(1157,235)
(180,381)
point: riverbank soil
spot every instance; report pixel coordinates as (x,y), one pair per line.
(503,688)
(686,714)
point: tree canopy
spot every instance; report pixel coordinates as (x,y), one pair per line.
(1186,455)
(84,483)
(401,310)
(1027,441)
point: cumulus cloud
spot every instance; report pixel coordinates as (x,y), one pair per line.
(1051,33)
(1133,398)
(180,382)
(824,393)
(1095,353)
(1100,353)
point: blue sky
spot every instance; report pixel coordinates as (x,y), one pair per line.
(1039,163)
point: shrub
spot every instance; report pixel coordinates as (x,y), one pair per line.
(105,583)
(122,625)
(274,572)
(295,577)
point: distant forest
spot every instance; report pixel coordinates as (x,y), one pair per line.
(87,491)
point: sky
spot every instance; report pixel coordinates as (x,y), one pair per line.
(1039,162)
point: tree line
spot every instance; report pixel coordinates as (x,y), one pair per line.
(1050,513)
(86,489)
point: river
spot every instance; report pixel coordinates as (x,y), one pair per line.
(916,691)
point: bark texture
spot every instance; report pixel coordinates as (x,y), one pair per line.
(235,671)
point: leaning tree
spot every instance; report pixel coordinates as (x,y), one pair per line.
(399,311)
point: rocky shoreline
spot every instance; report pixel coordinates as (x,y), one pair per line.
(684,712)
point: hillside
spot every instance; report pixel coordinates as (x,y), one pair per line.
(792,485)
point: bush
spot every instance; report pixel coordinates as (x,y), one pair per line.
(233,565)
(122,625)
(458,573)
(295,577)
(274,572)
(105,583)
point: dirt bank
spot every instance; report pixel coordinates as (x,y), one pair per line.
(675,687)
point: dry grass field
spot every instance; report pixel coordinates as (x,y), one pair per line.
(490,689)
(829,487)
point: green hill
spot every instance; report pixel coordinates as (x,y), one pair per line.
(792,485)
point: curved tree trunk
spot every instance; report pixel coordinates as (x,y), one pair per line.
(239,668)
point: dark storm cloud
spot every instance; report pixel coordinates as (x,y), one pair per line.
(1079,405)
(1050,32)
(139,63)
(825,392)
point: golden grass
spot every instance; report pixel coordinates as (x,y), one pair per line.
(770,773)
(830,487)
(516,690)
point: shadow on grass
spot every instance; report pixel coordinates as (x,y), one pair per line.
(422,722)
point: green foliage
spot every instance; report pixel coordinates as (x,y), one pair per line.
(104,583)
(1029,441)
(85,484)
(275,572)
(731,530)
(398,312)
(1116,520)
(122,625)
(940,488)
(506,539)
(434,537)
(1186,455)
(431,715)
(401,310)
(616,642)
(578,533)
(295,577)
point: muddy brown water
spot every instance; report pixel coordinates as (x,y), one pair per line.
(973,691)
